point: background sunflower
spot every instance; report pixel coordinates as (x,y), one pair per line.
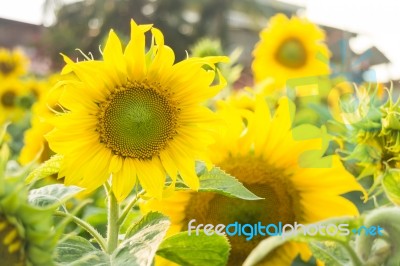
(264,155)
(288,49)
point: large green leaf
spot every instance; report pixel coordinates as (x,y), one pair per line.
(52,195)
(142,241)
(216,180)
(77,251)
(195,250)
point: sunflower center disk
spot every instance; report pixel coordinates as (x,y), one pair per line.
(6,67)
(279,204)
(291,53)
(137,122)
(7,99)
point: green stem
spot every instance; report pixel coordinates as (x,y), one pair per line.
(355,260)
(128,207)
(86,226)
(113,226)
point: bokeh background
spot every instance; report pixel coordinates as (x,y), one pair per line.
(361,34)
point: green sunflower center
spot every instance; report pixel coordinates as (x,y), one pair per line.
(7,99)
(280,203)
(10,244)
(6,67)
(137,121)
(291,53)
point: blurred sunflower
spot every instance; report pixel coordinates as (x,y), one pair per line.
(35,88)
(135,115)
(35,144)
(260,151)
(290,48)
(12,63)
(27,235)
(10,92)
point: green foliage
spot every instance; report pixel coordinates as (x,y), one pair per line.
(48,168)
(391,185)
(216,180)
(52,195)
(142,241)
(138,249)
(373,252)
(76,250)
(33,225)
(195,250)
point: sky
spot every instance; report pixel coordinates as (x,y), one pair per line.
(375,20)
(29,11)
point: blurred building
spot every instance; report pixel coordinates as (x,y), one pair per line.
(14,33)
(28,38)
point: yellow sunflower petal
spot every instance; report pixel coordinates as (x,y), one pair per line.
(124,180)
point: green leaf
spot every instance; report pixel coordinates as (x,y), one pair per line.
(216,180)
(142,241)
(52,195)
(193,250)
(48,168)
(77,251)
(391,185)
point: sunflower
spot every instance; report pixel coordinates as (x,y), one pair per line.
(135,115)
(12,63)
(10,92)
(35,144)
(288,49)
(27,235)
(261,152)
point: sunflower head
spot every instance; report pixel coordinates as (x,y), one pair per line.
(135,115)
(289,49)
(35,145)
(11,91)
(27,234)
(264,152)
(12,63)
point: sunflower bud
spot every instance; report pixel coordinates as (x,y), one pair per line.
(26,232)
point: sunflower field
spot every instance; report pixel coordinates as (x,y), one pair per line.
(140,156)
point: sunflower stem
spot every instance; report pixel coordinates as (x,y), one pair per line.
(355,259)
(129,206)
(113,226)
(86,226)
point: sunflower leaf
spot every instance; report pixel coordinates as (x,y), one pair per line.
(142,241)
(76,250)
(52,195)
(218,181)
(48,168)
(391,185)
(201,249)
